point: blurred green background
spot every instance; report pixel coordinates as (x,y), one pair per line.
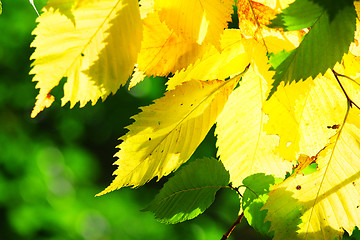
(52,166)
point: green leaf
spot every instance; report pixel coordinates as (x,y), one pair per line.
(310,169)
(296,18)
(190,192)
(332,25)
(254,198)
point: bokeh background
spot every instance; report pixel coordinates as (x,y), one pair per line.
(52,166)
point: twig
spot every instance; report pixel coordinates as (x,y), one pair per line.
(237,221)
(351,102)
(236,189)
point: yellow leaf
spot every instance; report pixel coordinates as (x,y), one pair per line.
(167,133)
(243,145)
(137,77)
(146,6)
(349,76)
(82,52)
(328,200)
(80,3)
(355,46)
(235,53)
(301,114)
(253,15)
(196,20)
(231,60)
(164,51)
(42,103)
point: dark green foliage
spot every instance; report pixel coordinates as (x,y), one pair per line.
(331,30)
(190,192)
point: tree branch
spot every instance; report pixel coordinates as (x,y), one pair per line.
(237,221)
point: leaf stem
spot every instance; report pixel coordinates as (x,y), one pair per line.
(237,221)
(235,189)
(258,27)
(250,190)
(351,102)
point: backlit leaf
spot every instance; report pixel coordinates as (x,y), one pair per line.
(332,25)
(94,54)
(190,192)
(327,201)
(236,53)
(164,51)
(231,60)
(301,113)
(243,145)
(167,133)
(196,20)
(350,76)
(252,15)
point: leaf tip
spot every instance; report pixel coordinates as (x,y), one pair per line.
(42,103)
(272,91)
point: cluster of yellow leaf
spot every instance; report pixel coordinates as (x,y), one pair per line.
(319,118)
(93,50)
(96,44)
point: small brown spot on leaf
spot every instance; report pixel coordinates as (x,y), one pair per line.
(82,54)
(336,126)
(353,183)
(298,187)
(149,139)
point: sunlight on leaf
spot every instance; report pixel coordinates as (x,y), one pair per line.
(332,25)
(243,145)
(231,60)
(162,50)
(327,200)
(252,13)
(301,113)
(158,142)
(137,77)
(196,20)
(269,124)
(82,53)
(255,195)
